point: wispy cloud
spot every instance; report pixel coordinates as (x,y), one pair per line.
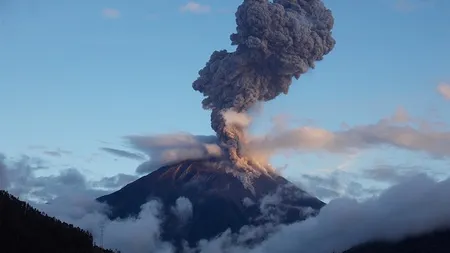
(110,13)
(194,7)
(152,16)
(444,90)
(115,182)
(412,5)
(170,148)
(124,153)
(392,174)
(336,184)
(57,153)
(405,5)
(37,147)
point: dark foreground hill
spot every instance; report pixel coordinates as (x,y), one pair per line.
(220,199)
(23,229)
(435,242)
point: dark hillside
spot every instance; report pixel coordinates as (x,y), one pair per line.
(435,242)
(24,229)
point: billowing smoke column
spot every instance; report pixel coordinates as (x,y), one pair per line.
(276,41)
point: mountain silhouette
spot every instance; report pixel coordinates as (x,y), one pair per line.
(23,228)
(221,199)
(436,241)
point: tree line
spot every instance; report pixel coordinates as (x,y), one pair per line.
(433,242)
(25,229)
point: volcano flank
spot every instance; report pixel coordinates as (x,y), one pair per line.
(220,200)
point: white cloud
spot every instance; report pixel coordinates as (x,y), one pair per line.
(384,215)
(394,174)
(171,148)
(379,218)
(195,7)
(444,90)
(21,177)
(408,6)
(110,13)
(183,209)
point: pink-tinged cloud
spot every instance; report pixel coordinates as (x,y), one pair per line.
(110,13)
(398,130)
(444,90)
(194,7)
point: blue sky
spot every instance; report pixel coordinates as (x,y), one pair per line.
(77,74)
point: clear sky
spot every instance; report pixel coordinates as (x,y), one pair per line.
(78,75)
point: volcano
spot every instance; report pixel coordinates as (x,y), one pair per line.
(221,199)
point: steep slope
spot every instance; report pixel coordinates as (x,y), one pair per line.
(220,199)
(25,229)
(436,242)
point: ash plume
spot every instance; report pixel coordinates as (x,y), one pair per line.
(275,41)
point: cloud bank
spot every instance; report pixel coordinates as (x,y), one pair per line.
(23,178)
(416,204)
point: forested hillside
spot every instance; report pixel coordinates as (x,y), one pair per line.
(24,229)
(436,242)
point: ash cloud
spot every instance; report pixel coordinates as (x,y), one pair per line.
(275,41)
